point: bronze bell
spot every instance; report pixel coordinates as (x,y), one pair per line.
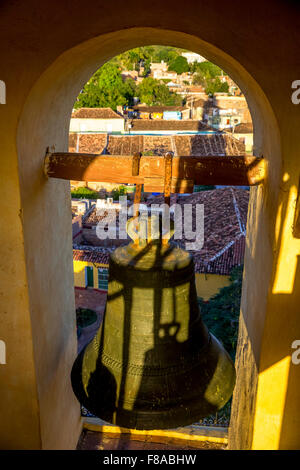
(152,364)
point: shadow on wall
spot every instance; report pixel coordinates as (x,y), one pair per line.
(274,375)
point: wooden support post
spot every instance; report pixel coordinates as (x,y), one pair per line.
(167,188)
(138,187)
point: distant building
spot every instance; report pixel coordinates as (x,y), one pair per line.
(192,57)
(219,118)
(226,112)
(96,120)
(129,74)
(161,75)
(158,66)
(157,112)
(197,106)
(238,103)
(233,89)
(244,133)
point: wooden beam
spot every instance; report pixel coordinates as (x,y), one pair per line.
(186,170)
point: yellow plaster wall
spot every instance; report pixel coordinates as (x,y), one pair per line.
(79,272)
(207,285)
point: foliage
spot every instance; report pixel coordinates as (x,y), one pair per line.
(206,68)
(117,192)
(216,86)
(207,75)
(153,92)
(84,193)
(107,89)
(147,68)
(221,313)
(85,317)
(179,65)
(134,58)
(210,84)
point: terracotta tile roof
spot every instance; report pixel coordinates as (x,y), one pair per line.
(195,89)
(166,125)
(91,254)
(94,216)
(211,144)
(124,145)
(95,113)
(225,218)
(198,102)
(87,143)
(224,263)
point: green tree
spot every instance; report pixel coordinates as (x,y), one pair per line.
(211,84)
(200,79)
(106,89)
(179,65)
(200,187)
(147,67)
(216,86)
(152,92)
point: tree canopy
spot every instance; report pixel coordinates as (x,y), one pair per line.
(106,88)
(152,92)
(206,68)
(207,75)
(221,312)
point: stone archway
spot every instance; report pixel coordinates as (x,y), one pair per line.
(43,115)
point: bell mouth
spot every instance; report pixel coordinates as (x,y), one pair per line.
(195,393)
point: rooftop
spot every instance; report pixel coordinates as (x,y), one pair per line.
(183,145)
(168,125)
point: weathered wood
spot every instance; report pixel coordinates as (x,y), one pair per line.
(168,177)
(186,170)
